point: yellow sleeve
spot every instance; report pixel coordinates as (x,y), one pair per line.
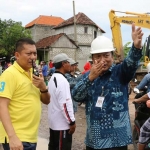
(7,84)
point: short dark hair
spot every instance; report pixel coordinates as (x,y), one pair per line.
(58,65)
(19,44)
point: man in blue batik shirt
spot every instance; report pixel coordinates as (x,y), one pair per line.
(73,80)
(105,91)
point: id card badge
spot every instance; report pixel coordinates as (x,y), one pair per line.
(100,101)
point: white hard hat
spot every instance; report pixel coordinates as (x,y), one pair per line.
(101,44)
(148,67)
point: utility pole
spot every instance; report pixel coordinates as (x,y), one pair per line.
(75,29)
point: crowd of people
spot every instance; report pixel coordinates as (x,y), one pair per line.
(4,65)
(103,87)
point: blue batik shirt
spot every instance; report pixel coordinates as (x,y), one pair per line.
(108,126)
(72,81)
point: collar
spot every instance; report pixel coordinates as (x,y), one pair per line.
(109,70)
(112,66)
(60,73)
(20,69)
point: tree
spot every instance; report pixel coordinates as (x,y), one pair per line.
(10,32)
(126,48)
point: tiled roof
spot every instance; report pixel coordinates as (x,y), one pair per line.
(48,41)
(81,18)
(45,20)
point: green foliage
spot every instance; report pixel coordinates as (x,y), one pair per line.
(126,48)
(10,32)
(144,51)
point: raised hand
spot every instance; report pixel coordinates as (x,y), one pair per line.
(137,36)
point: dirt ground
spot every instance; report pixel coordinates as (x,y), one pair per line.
(79,135)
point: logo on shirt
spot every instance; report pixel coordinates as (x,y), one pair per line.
(2,86)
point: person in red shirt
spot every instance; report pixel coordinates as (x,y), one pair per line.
(87,67)
(51,64)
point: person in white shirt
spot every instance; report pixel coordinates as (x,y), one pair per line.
(60,110)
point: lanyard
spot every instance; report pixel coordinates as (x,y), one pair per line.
(102,94)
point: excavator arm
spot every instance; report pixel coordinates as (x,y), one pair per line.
(141,20)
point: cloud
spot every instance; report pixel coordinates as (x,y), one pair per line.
(97,10)
(29,9)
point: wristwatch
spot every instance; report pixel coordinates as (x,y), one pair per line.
(45,91)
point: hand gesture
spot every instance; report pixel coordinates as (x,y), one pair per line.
(137,36)
(96,70)
(39,81)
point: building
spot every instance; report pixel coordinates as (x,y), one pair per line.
(57,38)
(86,31)
(41,27)
(54,45)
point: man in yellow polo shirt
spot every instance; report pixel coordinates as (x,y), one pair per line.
(21,94)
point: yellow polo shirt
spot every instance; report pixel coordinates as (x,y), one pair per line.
(25,104)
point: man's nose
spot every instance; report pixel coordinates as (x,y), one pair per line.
(102,59)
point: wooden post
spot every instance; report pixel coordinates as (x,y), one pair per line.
(75,30)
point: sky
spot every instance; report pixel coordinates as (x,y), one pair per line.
(97,10)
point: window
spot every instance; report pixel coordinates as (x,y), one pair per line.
(95,34)
(85,29)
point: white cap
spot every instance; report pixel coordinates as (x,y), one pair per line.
(72,62)
(60,57)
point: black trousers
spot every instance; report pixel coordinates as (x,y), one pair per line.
(115,148)
(60,140)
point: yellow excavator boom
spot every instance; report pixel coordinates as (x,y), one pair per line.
(141,20)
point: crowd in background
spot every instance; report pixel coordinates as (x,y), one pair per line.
(47,68)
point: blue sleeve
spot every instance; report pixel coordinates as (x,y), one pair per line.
(44,68)
(72,80)
(130,64)
(80,90)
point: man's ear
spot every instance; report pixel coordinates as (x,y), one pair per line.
(16,55)
(63,63)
